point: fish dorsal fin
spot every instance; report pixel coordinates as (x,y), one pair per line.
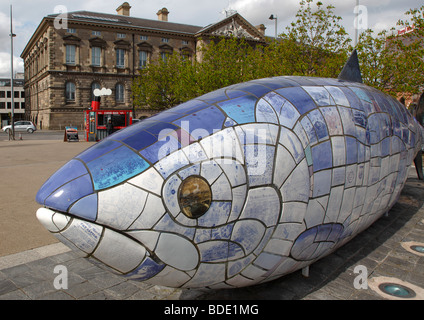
(351,71)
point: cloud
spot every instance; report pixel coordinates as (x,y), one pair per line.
(18,65)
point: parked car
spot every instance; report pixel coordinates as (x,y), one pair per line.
(20,126)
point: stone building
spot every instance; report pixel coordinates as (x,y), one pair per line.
(71,54)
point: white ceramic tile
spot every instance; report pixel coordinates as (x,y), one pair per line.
(292,143)
(288,231)
(119,251)
(224,143)
(332,117)
(296,187)
(171,163)
(207,274)
(177,251)
(170,194)
(315,213)
(210,170)
(221,189)
(293,212)
(262,204)
(194,153)
(149,180)
(259,163)
(152,213)
(192,170)
(120,206)
(265,113)
(237,204)
(217,215)
(334,204)
(338,96)
(248,234)
(148,238)
(284,165)
(322,183)
(84,235)
(234,171)
(279,246)
(320,95)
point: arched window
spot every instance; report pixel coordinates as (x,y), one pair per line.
(70,91)
(94,86)
(119,92)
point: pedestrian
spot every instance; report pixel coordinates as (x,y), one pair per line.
(109,127)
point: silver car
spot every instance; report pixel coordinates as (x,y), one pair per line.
(20,126)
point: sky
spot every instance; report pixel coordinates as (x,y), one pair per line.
(27,15)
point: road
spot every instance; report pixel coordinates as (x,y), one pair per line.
(39,135)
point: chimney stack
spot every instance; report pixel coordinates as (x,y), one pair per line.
(163,14)
(124,9)
(261,28)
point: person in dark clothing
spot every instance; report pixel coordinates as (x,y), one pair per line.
(109,127)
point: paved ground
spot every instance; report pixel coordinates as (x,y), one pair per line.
(33,264)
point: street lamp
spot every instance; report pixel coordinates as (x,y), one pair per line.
(12,35)
(272,17)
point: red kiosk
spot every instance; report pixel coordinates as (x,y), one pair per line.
(97,118)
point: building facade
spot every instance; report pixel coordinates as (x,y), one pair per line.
(70,55)
(6,99)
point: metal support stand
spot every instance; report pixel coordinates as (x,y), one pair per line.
(305,272)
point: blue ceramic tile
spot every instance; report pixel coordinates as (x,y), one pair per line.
(276,83)
(253,88)
(320,95)
(196,121)
(362,94)
(241,109)
(140,141)
(309,129)
(68,172)
(214,96)
(360,118)
(351,150)
(86,207)
(146,270)
(160,149)
(214,251)
(299,98)
(98,150)
(66,195)
(116,167)
(303,81)
(286,112)
(321,156)
(190,107)
(353,99)
(338,96)
(319,124)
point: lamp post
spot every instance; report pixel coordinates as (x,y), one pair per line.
(11,75)
(272,17)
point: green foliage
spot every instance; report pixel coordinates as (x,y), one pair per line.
(393,62)
(315,44)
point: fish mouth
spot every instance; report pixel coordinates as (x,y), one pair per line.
(115,250)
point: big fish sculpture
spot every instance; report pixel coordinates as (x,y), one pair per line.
(237,187)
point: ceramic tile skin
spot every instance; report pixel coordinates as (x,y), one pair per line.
(295,168)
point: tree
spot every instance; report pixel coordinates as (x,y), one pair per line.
(392,62)
(315,44)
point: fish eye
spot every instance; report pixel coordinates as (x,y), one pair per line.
(194,196)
